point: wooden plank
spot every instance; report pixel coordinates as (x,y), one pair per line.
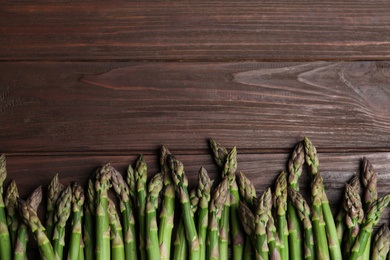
(337,168)
(134,107)
(195,30)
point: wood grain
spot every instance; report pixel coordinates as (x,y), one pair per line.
(131,108)
(195,30)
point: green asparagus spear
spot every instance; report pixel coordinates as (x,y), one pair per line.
(262,218)
(294,226)
(203,193)
(369,180)
(216,206)
(280,204)
(321,243)
(381,243)
(89,223)
(132,183)
(20,249)
(61,216)
(353,218)
(180,243)
(30,218)
(11,204)
(181,183)
(370,220)
(248,193)
(333,241)
(122,192)
(117,244)
(303,210)
(5,240)
(77,209)
(154,189)
(168,207)
(53,192)
(340,218)
(102,184)
(220,153)
(141,179)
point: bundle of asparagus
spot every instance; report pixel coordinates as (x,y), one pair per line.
(279,225)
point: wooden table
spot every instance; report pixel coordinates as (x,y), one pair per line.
(82,84)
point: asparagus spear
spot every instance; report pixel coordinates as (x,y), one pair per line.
(141,178)
(20,250)
(354,217)
(30,218)
(203,193)
(280,204)
(220,153)
(333,241)
(5,240)
(381,243)
(340,218)
(294,226)
(215,214)
(248,221)
(273,238)
(117,244)
(125,205)
(167,212)
(248,193)
(181,183)
(371,219)
(54,190)
(89,223)
(369,180)
(321,243)
(77,209)
(303,210)
(180,243)
(102,184)
(61,215)
(154,189)
(132,183)
(262,218)
(11,204)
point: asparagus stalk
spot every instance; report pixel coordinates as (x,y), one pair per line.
(371,219)
(369,180)
(30,218)
(280,204)
(248,193)
(102,184)
(89,223)
(381,243)
(168,207)
(321,243)
(132,183)
(294,226)
(152,244)
(273,238)
(262,218)
(303,210)
(54,190)
(125,205)
(117,244)
(5,240)
(180,243)
(340,218)
(77,209)
(181,183)
(203,193)
(141,178)
(220,153)
(20,249)
(11,204)
(215,214)
(333,241)
(61,215)
(354,217)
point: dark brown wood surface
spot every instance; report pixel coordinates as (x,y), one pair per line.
(197,30)
(82,84)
